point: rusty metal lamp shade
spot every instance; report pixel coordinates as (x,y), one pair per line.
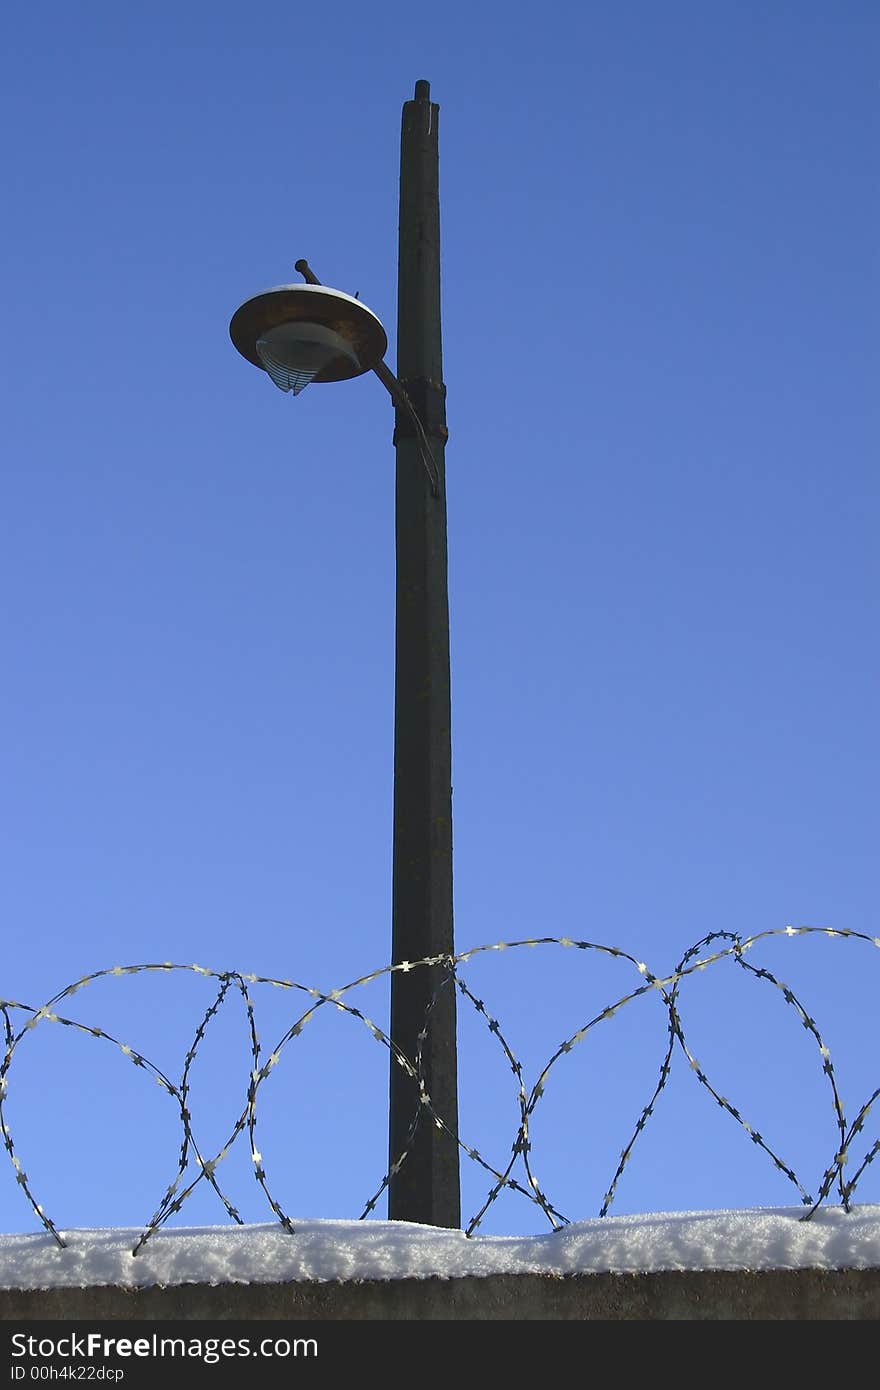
(304,333)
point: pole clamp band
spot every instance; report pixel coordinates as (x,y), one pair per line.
(429,402)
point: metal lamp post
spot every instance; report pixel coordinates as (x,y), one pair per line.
(308,333)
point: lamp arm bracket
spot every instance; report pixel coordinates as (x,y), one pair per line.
(307,273)
(397,393)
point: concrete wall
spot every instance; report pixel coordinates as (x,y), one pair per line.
(763,1294)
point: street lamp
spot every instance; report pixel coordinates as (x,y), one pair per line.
(303,333)
(310,333)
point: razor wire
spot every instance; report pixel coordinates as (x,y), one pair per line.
(698,957)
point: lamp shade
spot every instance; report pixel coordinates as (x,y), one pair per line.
(303,333)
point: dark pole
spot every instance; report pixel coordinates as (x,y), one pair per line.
(426,1186)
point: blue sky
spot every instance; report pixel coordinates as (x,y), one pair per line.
(659,231)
